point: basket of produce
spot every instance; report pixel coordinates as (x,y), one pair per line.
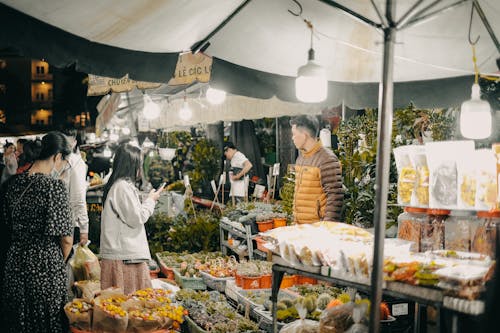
(216,272)
(188,280)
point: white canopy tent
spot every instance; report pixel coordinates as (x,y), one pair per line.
(261,47)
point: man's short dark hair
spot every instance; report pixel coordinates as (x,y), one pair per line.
(308,123)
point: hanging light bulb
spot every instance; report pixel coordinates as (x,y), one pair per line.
(151,109)
(475,116)
(311,85)
(185,113)
(215,96)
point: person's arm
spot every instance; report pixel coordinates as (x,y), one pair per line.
(331,181)
(246,167)
(66,243)
(125,202)
(78,199)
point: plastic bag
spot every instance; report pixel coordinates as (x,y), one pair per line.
(301,326)
(336,319)
(359,316)
(87,288)
(85,264)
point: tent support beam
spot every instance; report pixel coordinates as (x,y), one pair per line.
(199,45)
(380,16)
(384,130)
(408,15)
(419,19)
(352,13)
(487,25)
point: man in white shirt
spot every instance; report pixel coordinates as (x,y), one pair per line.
(74,176)
(240,166)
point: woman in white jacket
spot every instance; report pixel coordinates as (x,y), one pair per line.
(124,246)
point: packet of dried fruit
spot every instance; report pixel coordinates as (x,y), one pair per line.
(79,313)
(109,316)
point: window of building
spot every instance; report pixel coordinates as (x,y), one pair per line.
(3,89)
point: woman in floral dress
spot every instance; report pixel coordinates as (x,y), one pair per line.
(36,214)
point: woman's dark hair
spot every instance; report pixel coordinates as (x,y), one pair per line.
(31,151)
(76,135)
(127,164)
(7,145)
(52,144)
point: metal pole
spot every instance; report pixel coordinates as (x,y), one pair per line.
(382,169)
(486,24)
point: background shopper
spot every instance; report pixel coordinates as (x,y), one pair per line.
(124,246)
(36,215)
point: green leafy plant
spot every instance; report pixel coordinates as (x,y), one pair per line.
(206,163)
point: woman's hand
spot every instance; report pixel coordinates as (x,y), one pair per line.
(155,194)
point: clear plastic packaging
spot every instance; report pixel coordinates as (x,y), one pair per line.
(496,150)
(467,182)
(459,227)
(442,159)
(420,197)
(485,236)
(410,225)
(406,174)
(433,230)
(486,192)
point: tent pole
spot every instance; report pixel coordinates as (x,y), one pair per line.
(384,130)
(487,25)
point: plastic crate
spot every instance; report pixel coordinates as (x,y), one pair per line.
(265,320)
(215,283)
(189,282)
(193,327)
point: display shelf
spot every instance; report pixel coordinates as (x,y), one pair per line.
(424,296)
(240,232)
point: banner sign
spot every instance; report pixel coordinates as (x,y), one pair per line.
(101,85)
(107,106)
(191,68)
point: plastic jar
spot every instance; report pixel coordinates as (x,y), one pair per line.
(433,230)
(410,224)
(485,237)
(459,230)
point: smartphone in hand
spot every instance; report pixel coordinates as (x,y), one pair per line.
(162,185)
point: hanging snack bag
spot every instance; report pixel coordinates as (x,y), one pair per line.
(442,159)
(486,192)
(466,181)
(496,150)
(406,174)
(420,197)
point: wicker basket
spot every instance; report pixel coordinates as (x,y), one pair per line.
(189,282)
(215,283)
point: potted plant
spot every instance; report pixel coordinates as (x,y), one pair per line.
(264,221)
(279,220)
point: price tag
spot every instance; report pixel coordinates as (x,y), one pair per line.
(186,181)
(276,169)
(400,309)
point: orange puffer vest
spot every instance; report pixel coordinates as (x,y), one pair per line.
(318,186)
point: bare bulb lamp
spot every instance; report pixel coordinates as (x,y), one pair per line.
(475,116)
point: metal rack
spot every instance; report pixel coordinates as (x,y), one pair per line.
(241,232)
(422,296)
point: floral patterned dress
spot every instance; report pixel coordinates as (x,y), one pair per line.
(36,210)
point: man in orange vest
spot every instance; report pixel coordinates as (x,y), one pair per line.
(318,175)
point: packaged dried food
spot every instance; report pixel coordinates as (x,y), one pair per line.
(486,192)
(410,225)
(463,281)
(485,237)
(459,230)
(433,230)
(442,159)
(467,182)
(420,197)
(496,150)
(406,174)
